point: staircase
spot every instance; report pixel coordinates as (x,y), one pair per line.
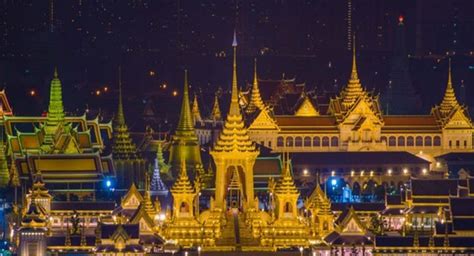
(228,233)
(246,238)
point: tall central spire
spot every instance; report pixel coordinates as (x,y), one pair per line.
(234,136)
(449,100)
(55,108)
(234,103)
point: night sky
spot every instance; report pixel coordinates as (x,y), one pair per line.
(154,40)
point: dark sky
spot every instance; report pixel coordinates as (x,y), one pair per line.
(89,39)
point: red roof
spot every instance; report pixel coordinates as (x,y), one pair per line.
(305,121)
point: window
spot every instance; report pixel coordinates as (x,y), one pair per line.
(392,141)
(307,141)
(437,141)
(184,208)
(325,226)
(334,141)
(289,141)
(280,142)
(450,144)
(383,139)
(465,144)
(401,141)
(325,141)
(410,141)
(270,144)
(457,144)
(316,142)
(287,207)
(428,141)
(298,142)
(419,141)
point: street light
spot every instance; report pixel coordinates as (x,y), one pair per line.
(301,250)
(199,250)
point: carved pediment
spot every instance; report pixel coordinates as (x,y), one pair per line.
(458,119)
(264,121)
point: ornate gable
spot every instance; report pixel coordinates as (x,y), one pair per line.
(306,108)
(132,199)
(351,224)
(364,110)
(264,121)
(458,119)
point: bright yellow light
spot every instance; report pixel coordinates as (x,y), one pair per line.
(371,173)
(361,173)
(333,173)
(32,92)
(389,172)
(164,86)
(405,171)
(152,73)
(352,173)
(175,93)
(97,92)
(425,171)
(106,88)
(305,172)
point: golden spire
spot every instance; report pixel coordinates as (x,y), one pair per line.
(184,143)
(449,101)
(216,110)
(234,136)
(255,100)
(234,103)
(185,119)
(286,184)
(195,110)
(148,204)
(354,87)
(122,145)
(182,184)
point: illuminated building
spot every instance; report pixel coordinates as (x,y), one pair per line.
(184,143)
(130,166)
(66,149)
(355,122)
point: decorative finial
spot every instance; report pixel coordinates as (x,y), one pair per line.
(234,42)
(55,72)
(450,82)
(354,63)
(255,71)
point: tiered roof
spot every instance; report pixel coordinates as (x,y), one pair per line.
(216,110)
(256,101)
(122,147)
(319,201)
(234,136)
(195,110)
(182,184)
(286,184)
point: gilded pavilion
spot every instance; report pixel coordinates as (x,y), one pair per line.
(67,150)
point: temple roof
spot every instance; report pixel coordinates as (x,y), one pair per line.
(122,146)
(255,99)
(286,185)
(234,136)
(182,185)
